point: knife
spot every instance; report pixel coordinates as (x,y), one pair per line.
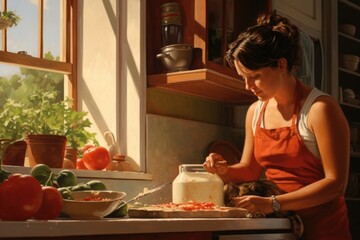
(144,193)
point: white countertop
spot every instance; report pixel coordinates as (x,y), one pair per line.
(68,227)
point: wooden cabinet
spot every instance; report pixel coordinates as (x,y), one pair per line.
(307,12)
(208,25)
(348,12)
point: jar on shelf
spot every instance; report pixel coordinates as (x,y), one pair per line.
(194,183)
(171,23)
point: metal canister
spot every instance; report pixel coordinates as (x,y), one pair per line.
(195,184)
(171,23)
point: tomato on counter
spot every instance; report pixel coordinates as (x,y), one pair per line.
(20,197)
(51,206)
(96,158)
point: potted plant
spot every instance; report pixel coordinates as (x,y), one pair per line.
(11,119)
(46,124)
(8,19)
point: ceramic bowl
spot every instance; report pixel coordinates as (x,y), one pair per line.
(348,58)
(350,65)
(81,208)
(348,29)
(349,61)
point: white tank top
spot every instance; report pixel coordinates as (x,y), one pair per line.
(306,135)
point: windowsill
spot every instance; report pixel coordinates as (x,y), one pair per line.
(90,173)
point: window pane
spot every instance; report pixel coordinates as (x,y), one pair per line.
(19,83)
(26,29)
(52,27)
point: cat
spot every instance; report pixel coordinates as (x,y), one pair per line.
(262,188)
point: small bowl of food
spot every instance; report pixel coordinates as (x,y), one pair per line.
(92,204)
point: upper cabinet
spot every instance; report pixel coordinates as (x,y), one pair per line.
(306,12)
(208,26)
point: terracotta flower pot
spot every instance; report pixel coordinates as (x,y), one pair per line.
(15,153)
(46,149)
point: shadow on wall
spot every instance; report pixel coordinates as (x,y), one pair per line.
(172,141)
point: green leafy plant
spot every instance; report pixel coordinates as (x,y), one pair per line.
(44,115)
(10,16)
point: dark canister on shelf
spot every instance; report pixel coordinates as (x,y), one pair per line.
(171,23)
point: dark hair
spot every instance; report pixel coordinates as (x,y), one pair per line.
(262,45)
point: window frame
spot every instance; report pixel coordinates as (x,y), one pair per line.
(69,38)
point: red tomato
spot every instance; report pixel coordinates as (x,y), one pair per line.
(51,204)
(96,158)
(80,164)
(86,147)
(20,197)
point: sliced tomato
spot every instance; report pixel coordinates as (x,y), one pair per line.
(189,206)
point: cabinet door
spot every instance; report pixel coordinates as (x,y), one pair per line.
(307,12)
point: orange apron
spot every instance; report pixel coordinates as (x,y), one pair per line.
(289,163)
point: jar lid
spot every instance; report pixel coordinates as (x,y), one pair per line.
(191,168)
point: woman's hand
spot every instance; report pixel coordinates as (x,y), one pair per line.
(215,163)
(253,204)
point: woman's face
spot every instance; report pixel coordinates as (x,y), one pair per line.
(264,83)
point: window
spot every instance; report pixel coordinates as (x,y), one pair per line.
(108,72)
(40,47)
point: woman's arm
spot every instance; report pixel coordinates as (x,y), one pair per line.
(247,169)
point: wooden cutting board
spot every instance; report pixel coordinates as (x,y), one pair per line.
(154,212)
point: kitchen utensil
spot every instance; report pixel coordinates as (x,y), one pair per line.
(144,193)
(157,212)
(176,57)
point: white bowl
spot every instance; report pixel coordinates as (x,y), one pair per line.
(348,29)
(348,93)
(348,58)
(349,65)
(79,208)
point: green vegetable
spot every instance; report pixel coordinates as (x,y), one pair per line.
(80,187)
(119,212)
(43,174)
(96,185)
(65,193)
(66,178)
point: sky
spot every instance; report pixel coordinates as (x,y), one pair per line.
(24,36)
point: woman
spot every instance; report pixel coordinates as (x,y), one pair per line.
(297,134)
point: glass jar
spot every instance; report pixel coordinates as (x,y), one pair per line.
(171,23)
(194,183)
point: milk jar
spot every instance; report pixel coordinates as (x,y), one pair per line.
(194,183)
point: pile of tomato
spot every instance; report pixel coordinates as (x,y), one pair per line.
(22,197)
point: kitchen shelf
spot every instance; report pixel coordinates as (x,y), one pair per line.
(204,83)
(355,154)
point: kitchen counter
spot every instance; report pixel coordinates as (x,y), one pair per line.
(122,226)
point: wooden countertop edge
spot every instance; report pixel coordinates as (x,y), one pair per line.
(67,227)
